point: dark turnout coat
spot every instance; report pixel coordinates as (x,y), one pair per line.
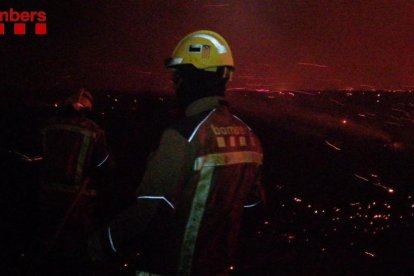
(72,146)
(189,205)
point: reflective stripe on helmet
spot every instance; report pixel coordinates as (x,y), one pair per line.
(221,49)
(175,61)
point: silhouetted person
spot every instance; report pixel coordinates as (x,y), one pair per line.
(205,171)
(74,148)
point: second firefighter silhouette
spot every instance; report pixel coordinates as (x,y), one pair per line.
(74,148)
(205,171)
(73,144)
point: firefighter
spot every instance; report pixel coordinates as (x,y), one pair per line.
(205,171)
(73,145)
(74,148)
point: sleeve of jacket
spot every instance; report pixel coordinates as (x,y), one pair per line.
(164,170)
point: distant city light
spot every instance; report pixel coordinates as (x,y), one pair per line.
(297,199)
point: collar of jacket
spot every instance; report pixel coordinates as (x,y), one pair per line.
(204,104)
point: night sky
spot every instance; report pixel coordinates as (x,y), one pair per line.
(285,44)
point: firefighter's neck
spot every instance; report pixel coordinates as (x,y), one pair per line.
(204,104)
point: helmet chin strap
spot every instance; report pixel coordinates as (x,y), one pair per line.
(227,73)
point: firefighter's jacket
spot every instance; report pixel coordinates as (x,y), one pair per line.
(72,146)
(196,185)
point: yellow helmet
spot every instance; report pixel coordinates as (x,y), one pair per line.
(204,49)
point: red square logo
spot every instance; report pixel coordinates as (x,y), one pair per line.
(40,28)
(1,28)
(19,28)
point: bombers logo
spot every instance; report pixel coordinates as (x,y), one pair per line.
(16,22)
